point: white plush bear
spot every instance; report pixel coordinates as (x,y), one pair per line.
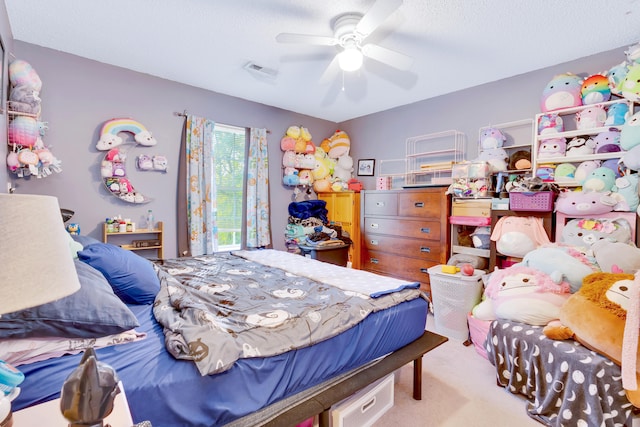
(343,169)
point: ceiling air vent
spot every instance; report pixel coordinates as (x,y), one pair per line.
(259,70)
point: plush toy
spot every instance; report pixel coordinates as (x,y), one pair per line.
(626,187)
(561,263)
(616,257)
(25,99)
(553,147)
(617,114)
(21,73)
(496,158)
(144,162)
(481,237)
(614,165)
(584,232)
(631,159)
(73,228)
(629,87)
(23,131)
(565,172)
(290,176)
(343,168)
(516,236)
(633,54)
(491,138)
(109,137)
(582,203)
(607,141)
(592,117)
(563,91)
(160,163)
(337,144)
(550,123)
(580,146)
(601,179)
(522,294)
(585,168)
(305,177)
(630,132)
(520,160)
(616,75)
(597,315)
(287,143)
(546,173)
(595,88)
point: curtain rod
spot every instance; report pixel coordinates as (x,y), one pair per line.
(184,114)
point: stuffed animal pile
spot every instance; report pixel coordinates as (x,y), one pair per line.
(28,156)
(327,167)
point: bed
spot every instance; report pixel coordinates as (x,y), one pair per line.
(565,384)
(264,382)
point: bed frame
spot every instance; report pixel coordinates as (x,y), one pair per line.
(318,400)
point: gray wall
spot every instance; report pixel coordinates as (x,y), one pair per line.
(78,95)
(7,41)
(383,135)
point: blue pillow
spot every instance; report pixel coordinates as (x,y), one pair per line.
(131,276)
(93,311)
(85,240)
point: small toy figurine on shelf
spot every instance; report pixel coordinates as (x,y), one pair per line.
(73,228)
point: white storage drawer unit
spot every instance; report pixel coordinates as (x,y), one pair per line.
(366,406)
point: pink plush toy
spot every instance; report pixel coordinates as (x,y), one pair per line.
(522,294)
(592,117)
(581,203)
(563,91)
(552,147)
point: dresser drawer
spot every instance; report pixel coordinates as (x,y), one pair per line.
(412,269)
(420,204)
(432,250)
(406,228)
(381,203)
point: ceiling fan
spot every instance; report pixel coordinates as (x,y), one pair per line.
(349,33)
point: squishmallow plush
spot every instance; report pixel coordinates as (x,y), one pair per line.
(585,168)
(591,117)
(550,123)
(553,147)
(630,132)
(616,75)
(595,88)
(617,114)
(601,179)
(491,138)
(563,91)
(607,141)
(630,87)
(584,232)
(580,146)
(582,203)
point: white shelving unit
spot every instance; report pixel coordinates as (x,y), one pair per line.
(568,116)
(394,169)
(520,135)
(430,158)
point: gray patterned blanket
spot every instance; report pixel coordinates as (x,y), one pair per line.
(566,384)
(216,309)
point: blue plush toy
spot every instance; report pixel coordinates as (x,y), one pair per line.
(630,133)
(617,114)
(627,187)
(601,179)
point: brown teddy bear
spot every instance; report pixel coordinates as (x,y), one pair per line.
(520,160)
(596,315)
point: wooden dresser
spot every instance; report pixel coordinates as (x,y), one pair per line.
(344,210)
(405,232)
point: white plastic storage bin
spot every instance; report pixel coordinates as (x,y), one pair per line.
(366,406)
(453,297)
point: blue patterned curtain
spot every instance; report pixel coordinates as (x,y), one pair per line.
(201,186)
(258,228)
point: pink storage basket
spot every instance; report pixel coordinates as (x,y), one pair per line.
(540,201)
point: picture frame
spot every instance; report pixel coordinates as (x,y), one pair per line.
(366,167)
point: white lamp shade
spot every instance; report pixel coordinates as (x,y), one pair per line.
(36,265)
(350,59)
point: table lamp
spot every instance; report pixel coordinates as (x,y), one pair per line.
(36,266)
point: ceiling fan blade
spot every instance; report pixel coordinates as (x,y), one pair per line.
(331,72)
(306,39)
(387,56)
(378,13)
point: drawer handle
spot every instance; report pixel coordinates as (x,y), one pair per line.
(374,225)
(425,230)
(419,204)
(374,242)
(425,249)
(374,260)
(424,270)
(380,204)
(364,408)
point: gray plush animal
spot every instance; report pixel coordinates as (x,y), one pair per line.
(24,99)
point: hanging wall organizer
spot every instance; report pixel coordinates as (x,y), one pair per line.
(113,170)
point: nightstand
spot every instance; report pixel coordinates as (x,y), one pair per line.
(50,411)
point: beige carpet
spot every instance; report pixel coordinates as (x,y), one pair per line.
(458,390)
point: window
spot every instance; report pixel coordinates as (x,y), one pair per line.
(230,151)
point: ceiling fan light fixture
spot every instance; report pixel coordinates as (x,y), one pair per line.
(350,59)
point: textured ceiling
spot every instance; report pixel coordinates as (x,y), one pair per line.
(455,44)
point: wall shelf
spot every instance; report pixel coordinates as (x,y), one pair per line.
(154,234)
